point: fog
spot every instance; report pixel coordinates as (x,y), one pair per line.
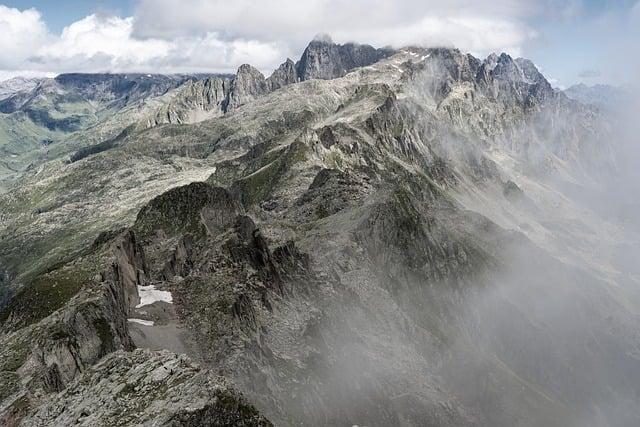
(533,322)
(565,324)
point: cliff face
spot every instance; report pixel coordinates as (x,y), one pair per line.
(399,243)
(198,100)
(131,387)
(64,352)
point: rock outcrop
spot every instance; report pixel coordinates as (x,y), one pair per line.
(248,84)
(147,388)
(195,101)
(285,75)
(323,59)
(380,248)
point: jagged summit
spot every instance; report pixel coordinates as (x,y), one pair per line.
(323,59)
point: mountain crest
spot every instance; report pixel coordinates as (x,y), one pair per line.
(323,59)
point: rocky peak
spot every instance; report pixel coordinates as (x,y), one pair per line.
(491,61)
(286,74)
(247,85)
(483,75)
(530,71)
(323,59)
(511,79)
(507,69)
(457,65)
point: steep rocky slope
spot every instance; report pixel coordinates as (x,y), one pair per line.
(17,84)
(42,119)
(366,237)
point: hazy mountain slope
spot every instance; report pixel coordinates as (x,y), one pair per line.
(603,96)
(45,119)
(397,245)
(17,84)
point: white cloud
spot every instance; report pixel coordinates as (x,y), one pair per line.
(102,42)
(481,26)
(477,35)
(220,35)
(22,33)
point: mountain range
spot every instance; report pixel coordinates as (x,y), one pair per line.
(368,236)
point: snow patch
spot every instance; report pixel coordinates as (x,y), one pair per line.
(141,322)
(149,295)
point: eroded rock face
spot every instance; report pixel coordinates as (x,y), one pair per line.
(195,101)
(323,59)
(147,388)
(285,75)
(248,84)
(344,260)
(129,267)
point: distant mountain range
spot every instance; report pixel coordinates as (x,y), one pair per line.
(603,96)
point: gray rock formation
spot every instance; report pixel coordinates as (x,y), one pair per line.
(195,101)
(147,389)
(248,84)
(323,59)
(285,75)
(399,246)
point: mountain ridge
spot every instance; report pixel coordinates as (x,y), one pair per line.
(395,245)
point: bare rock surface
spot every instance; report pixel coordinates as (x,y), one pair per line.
(144,388)
(367,237)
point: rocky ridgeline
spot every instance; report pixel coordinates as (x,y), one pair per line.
(329,263)
(50,371)
(499,75)
(147,388)
(322,59)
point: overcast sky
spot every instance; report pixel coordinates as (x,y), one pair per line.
(570,40)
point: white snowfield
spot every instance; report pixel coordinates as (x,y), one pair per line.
(149,295)
(141,322)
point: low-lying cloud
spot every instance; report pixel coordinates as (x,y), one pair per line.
(100,43)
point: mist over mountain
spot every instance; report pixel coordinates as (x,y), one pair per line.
(368,236)
(608,97)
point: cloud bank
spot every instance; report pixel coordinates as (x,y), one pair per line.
(218,36)
(173,36)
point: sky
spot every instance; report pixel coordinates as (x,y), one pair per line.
(571,41)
